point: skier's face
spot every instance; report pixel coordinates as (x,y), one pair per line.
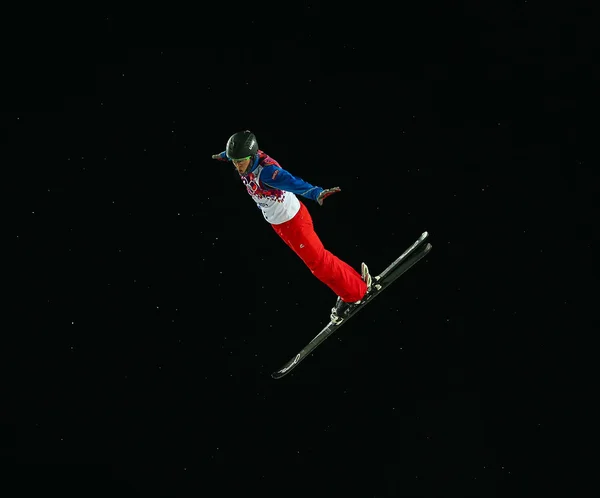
(241,164)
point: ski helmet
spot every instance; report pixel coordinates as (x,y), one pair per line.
(241,144)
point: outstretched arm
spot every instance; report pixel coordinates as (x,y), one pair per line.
(281,179)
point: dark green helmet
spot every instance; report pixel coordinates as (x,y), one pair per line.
(241,144)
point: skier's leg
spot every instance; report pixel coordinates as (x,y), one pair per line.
(341,278)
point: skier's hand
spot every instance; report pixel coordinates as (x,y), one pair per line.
(326,193)
(216,156)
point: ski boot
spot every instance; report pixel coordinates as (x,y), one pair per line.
(366,276)
(342,308)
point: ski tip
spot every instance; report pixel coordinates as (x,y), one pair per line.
(278,374)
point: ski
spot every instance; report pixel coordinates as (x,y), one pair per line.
(403,263)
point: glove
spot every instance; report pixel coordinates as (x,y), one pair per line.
(326,193)
(216,156)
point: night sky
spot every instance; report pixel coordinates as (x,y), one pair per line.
(153,301)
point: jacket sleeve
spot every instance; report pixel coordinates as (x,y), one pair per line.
(278,178)
(223,156)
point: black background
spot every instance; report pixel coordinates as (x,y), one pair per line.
(152,301)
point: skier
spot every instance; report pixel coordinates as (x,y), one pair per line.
(274,191)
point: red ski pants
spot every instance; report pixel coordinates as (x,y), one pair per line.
(341,278)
